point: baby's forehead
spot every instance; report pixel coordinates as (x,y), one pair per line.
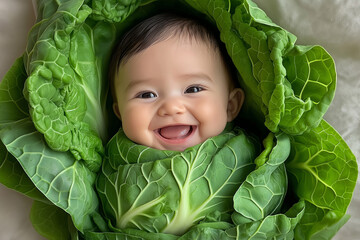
(178,51)
(181,37)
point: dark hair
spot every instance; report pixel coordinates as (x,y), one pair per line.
(160,27)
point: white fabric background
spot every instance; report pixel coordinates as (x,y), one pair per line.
(334,24)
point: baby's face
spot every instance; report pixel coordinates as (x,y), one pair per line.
(174,95)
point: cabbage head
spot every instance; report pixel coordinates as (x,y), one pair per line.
(279,172)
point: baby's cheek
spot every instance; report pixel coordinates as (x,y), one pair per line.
(134,124)
(212,109)
(212,117)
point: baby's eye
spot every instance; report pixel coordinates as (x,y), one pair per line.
(146,95)
(194,89)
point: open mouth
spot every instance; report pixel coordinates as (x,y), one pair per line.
(176,133)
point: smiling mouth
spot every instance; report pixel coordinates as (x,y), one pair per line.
(176,133)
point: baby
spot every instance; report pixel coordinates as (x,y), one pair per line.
(172,85)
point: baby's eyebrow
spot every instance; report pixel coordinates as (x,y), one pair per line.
(135,82)
(196,75)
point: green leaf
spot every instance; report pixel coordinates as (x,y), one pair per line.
(13,176)
(45,9)
(170,194)
(52,222)
(258,15)
(67,99)
(323,168)
(128,234)
(266,43)
(280,226)
(311,73)
(66,182)
(63,180)
(290,86)
(89,57)
(112,10)
(214,230)
(13,103)
(263,191)
(319,223)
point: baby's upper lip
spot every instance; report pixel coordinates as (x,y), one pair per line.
(175,132)
(173,125)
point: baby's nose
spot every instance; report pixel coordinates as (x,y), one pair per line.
(171,107)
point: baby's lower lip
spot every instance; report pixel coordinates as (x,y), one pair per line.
(182,139)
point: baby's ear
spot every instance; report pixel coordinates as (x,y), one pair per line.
(116,110)
(236,100)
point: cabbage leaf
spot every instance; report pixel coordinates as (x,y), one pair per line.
(51,176)
(174,190)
